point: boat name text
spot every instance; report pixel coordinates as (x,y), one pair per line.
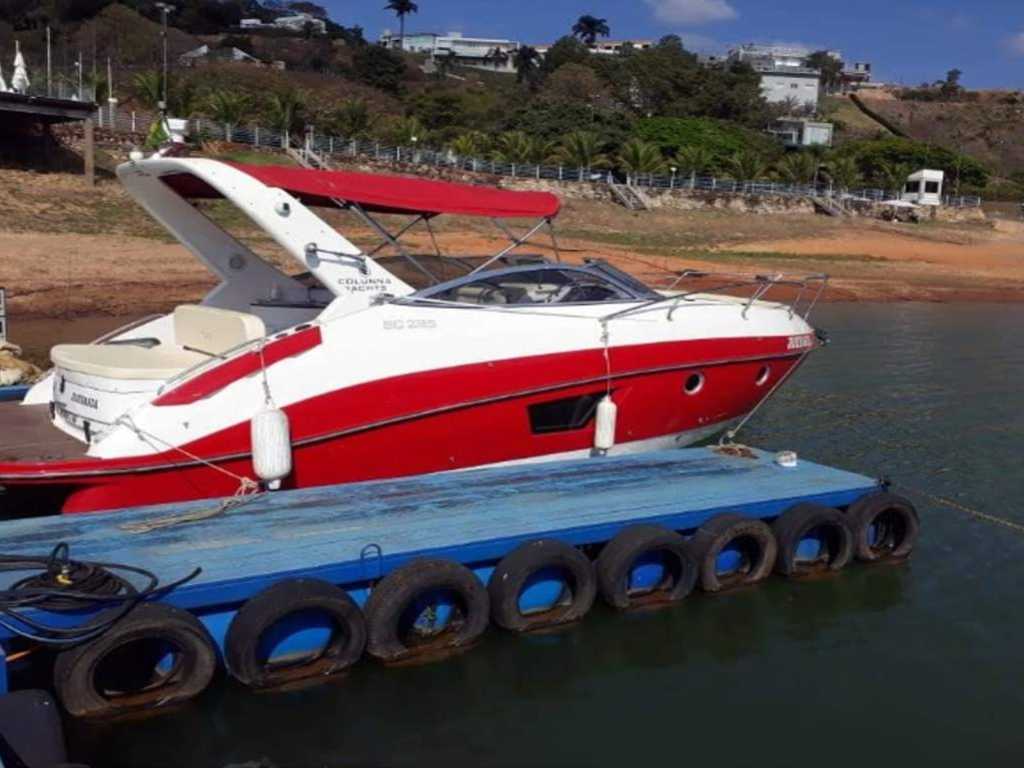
(409,325)
(88,402)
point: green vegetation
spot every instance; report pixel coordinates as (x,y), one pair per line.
(656,110)
(720,139)
(876,158)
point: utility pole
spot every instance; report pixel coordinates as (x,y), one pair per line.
(165,8)
(49,63)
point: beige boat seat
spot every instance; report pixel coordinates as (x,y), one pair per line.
(199,334)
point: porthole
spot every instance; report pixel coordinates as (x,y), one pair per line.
(694,383)
(763,375)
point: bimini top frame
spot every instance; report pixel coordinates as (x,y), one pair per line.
(367,195)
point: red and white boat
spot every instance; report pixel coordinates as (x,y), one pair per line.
(383,366)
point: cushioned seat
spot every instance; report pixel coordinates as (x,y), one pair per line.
(124,361)
(199,333)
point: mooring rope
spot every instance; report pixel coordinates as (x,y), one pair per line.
(248,489)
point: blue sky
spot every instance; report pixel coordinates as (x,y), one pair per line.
(908,42)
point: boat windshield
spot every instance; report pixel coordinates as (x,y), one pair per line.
(548,284)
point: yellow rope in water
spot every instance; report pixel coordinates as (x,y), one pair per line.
(976,513)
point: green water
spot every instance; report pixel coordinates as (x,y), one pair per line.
(912,665)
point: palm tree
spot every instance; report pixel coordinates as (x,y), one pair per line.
(283,112)
(229,108)
(582,149)
(513,147)
(638,156)
(148,87)
(401,9)
(893,176)
(527,64)
(469,144)
(843,172)
(498,57)
(694,160)
(543,151)
(799,168)
(588,28)
(353,119)
(747,166)
(404,131)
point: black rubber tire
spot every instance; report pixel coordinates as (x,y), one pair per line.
(900,532)
(795,523)
(75,669)
(507,581)
(241,647)
(716,534)
(616,561)
(397,591)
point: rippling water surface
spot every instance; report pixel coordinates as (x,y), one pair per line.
(917,665)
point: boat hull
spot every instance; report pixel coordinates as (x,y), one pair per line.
(441,420)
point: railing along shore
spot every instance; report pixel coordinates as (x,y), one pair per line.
(334,146)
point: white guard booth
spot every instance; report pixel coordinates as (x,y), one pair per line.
(924,188)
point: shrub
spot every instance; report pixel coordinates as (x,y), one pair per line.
(723,140)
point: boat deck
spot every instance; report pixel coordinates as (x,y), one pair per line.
(351,534)
(26,434)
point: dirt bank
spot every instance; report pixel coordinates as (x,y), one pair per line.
(69,250)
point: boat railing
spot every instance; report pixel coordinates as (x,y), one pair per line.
(752,288)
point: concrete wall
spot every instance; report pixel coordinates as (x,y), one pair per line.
(777,87)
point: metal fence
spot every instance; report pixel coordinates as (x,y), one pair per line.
(60,83)
(355,149)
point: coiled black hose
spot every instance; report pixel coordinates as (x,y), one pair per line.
(58,584)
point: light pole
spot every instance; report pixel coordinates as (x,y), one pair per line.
(165,8)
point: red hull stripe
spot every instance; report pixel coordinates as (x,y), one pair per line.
(215,379)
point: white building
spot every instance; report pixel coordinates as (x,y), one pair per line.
(606,47)
(493,53)
(775,56)
(924,187)
(798,132)
(299,22)
(296,23)
(786,83)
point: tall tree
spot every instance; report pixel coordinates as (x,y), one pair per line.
(588,28)
(401,9)
(830,67)
(526,61)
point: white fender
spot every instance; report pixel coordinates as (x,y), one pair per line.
(604,433)
(271,447)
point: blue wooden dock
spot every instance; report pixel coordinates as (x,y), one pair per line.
(352,535)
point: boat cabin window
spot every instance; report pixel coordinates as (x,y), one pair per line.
(532,286)
(565,415)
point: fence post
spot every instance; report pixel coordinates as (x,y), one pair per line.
(133,122)
(256,137)
(99,117)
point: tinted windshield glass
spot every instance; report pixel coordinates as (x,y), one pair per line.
(541,286)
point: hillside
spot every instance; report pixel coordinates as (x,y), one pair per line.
(990,129)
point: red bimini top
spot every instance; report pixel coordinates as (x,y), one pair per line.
(384,194)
